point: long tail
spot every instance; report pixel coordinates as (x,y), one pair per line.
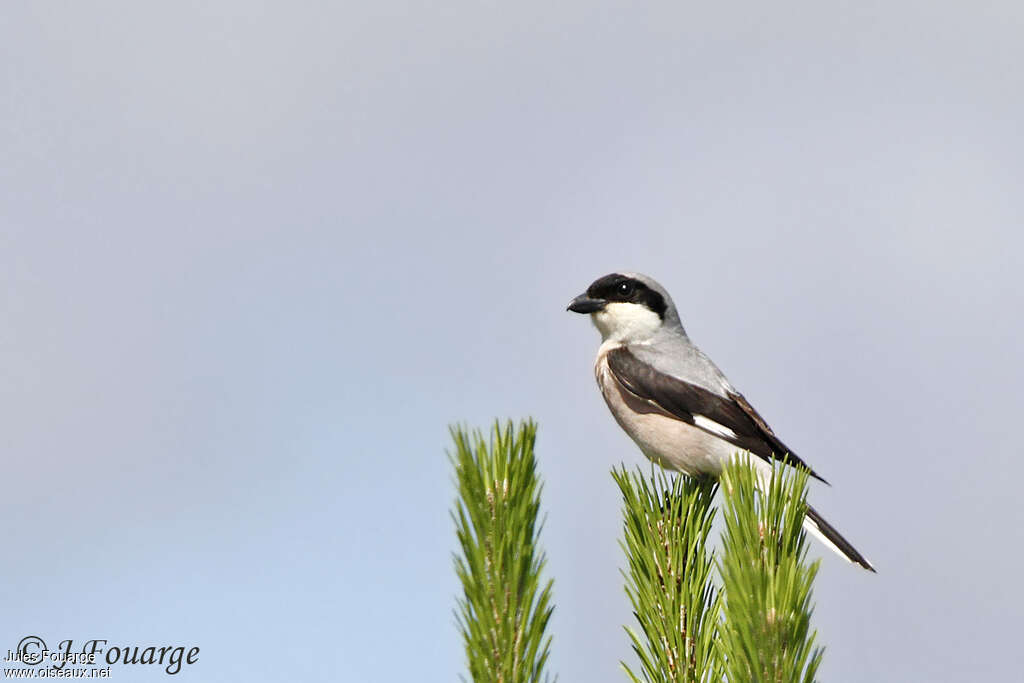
(828,535)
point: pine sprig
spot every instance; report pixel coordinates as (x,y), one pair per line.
(666,525)
(506,605)
(767,580)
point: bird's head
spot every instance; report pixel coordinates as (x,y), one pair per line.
(627,307)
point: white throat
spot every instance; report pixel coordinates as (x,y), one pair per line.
(626,323)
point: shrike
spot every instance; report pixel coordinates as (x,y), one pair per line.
(671,399)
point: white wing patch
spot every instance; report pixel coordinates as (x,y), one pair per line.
(713,427)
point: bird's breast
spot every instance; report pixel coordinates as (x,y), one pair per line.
(663,438)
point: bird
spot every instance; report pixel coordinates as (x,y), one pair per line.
(672,400)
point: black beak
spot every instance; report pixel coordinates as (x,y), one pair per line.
(584,304)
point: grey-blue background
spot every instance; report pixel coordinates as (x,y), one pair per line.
(255,256)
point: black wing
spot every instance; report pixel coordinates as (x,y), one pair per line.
(683,400)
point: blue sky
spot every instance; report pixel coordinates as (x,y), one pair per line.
(255,257)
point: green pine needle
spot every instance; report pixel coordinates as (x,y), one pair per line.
(666,525)
(767,580)
(756,628)
(506,605)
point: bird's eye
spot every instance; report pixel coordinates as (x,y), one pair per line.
(625,288)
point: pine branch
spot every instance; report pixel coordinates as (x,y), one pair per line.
(506,605)
(666,525)
(767,635)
